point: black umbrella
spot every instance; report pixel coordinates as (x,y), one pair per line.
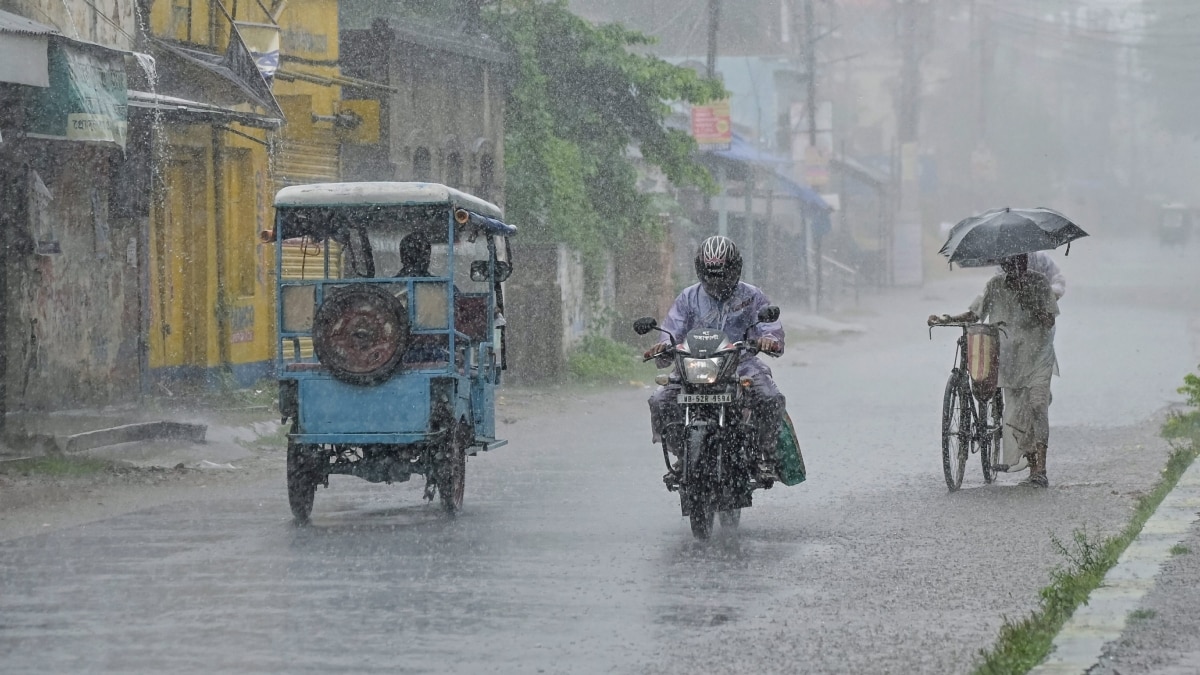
(988,237)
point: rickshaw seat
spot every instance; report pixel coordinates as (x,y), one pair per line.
(470,315)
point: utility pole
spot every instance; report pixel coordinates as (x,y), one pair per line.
(906,244)
(812,245)
(810,70)
(910,74)
(714,22)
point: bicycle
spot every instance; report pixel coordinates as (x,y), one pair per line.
(973,406)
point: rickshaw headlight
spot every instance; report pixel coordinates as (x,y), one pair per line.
(702,371)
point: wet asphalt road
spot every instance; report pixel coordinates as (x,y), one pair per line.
(570,557)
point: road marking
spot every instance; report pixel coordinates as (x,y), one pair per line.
(1080,643)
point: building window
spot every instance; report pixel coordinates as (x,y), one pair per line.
(422,165)
(487,175)
(454,170)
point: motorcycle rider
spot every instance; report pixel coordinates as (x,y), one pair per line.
(723,302)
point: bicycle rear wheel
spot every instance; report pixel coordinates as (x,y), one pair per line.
(958,430)
(996,422)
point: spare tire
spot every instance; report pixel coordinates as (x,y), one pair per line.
(360,332)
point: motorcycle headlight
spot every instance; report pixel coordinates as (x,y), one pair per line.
(702,371)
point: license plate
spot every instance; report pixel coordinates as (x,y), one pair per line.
(685,399)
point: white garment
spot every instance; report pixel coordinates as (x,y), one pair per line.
(1041,262)
(1027,359)
(1026,345)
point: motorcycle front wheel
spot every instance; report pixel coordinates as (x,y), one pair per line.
(702,521)
(730,519)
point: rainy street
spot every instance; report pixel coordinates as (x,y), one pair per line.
(256,252)
(570,557)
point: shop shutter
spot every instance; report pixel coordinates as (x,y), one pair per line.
(298,162)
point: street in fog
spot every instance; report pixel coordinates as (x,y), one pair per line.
(571,557)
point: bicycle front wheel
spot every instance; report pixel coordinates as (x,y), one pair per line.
(958,431)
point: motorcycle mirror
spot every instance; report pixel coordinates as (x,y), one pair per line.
(768,314)
(644,325)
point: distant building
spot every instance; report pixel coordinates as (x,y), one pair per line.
(442,103)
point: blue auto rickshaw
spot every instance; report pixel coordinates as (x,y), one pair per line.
(390,317)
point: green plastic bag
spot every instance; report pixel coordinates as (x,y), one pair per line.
(791,461)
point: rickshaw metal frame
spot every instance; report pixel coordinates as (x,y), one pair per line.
(405,415)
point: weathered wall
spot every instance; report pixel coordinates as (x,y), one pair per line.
(73,309)
(644,284)
(535,316)
(551,304)
(447,124)
(111,23)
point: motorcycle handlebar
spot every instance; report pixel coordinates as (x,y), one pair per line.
(743,346)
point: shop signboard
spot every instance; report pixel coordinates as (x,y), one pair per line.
(712,126)
(86,99)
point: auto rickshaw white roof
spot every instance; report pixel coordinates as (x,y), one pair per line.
(382,194)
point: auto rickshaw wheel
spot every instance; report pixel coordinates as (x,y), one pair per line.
(303,462)
(360,333)
(451,471)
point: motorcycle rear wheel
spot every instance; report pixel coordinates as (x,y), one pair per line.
(730,519)
(702,521)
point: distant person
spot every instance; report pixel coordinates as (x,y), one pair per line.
(1025,302)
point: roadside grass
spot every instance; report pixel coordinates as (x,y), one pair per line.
(56,467)
(1180,549)
(1025,642)
(598,360)
(1142,614)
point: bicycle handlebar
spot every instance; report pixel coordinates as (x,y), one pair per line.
(964,325)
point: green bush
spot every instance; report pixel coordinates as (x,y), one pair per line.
(601,360)
(1186,424)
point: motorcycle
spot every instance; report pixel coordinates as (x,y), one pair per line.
(716,436)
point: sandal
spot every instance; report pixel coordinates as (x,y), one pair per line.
(1039,480)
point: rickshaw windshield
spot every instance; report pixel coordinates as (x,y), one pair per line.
(371,242)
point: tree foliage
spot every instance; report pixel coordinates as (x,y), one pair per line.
(581,98)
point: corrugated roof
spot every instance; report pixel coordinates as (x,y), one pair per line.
(15,23)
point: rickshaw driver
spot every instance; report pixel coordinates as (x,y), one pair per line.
(722,301)
(415,254)
(1023,300)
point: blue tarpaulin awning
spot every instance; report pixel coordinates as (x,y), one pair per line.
(742,150)
(816,209)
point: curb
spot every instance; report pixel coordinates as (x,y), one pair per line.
(1079,645)
(45,444)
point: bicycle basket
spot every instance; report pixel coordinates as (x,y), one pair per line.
(983,358)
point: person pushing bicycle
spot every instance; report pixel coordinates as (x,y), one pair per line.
(1023,301)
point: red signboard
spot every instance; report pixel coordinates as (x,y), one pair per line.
(711,125)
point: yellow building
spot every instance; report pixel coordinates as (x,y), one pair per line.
(241,69)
